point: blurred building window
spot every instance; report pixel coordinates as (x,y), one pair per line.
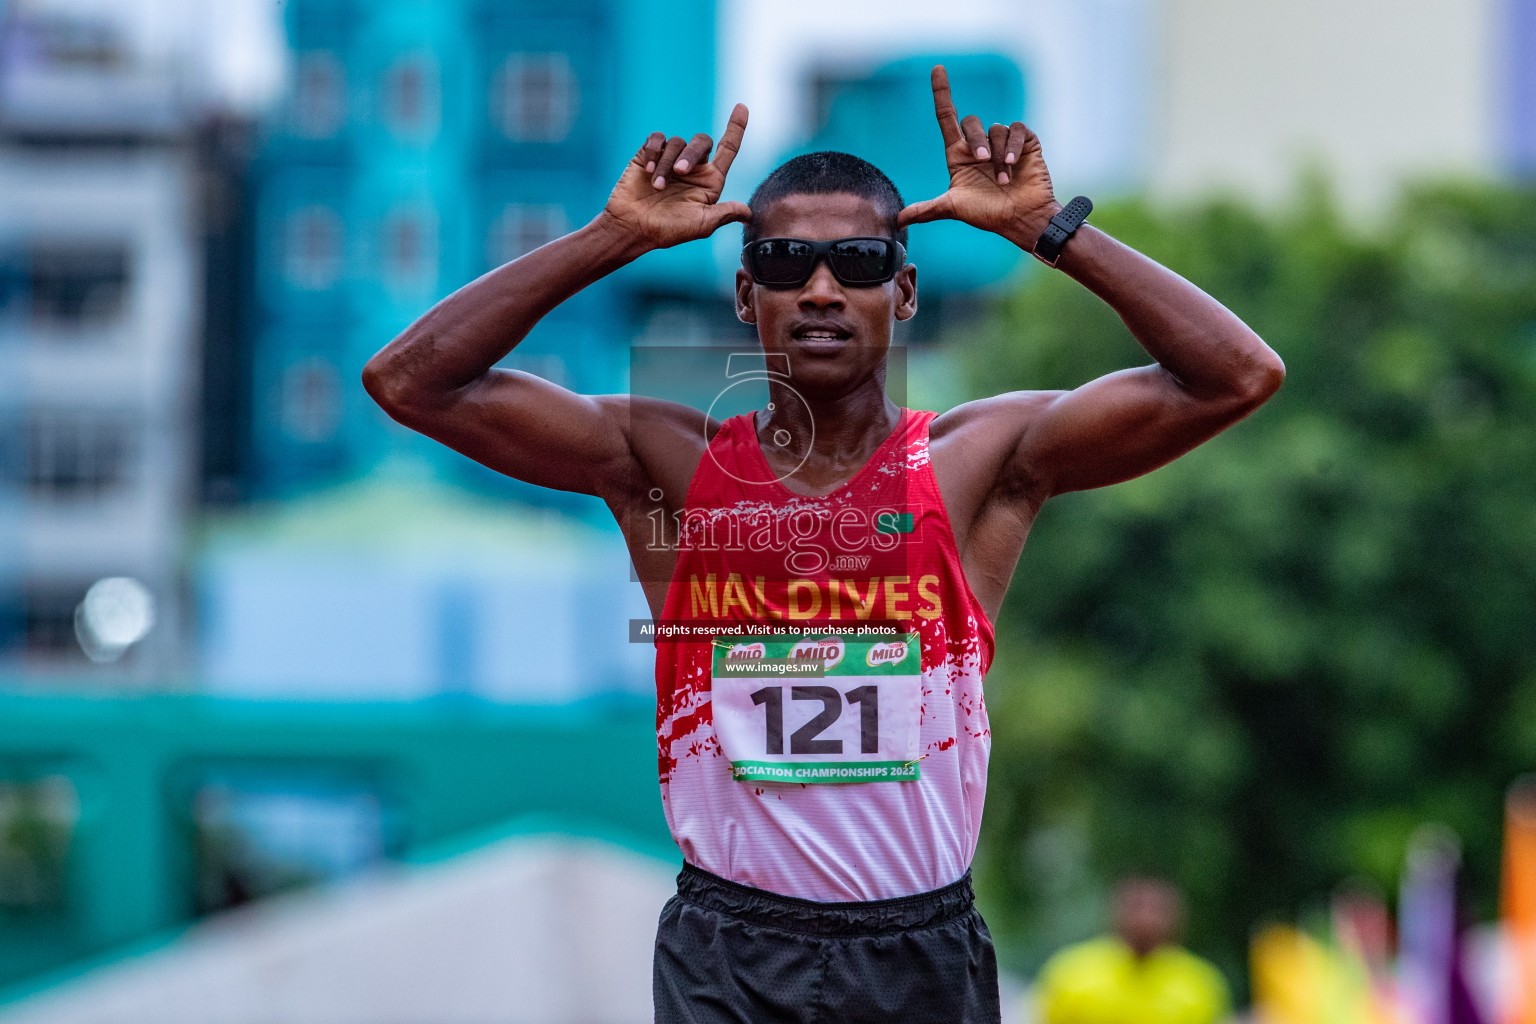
(410,249)
(78,285)
(523,227)
(48,621)
(64,286)
(68,40)
(319,94)
(78,456)
(37,824)
(411,96)
(312,248)
(256,837)
(311,400)
(15,295)
(534,97)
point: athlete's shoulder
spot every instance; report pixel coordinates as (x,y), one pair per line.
(648,415)
(1004,415)
(668,440)
(975,446)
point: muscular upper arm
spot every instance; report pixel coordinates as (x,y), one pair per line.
(537,431)
(1118,427)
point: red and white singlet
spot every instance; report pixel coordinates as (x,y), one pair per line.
(878,548)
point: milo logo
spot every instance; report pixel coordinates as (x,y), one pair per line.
(756,650)
(886,654)
(829,649)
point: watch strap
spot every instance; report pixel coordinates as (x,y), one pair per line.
(1054,237)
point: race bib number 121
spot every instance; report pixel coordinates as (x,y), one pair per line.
(830,708)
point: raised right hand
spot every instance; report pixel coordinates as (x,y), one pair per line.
(998,180)
(669,193)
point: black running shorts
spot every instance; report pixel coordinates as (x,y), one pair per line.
(727,952)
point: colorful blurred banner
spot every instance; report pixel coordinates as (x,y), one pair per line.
(1427,924)
(1519,898)
(1363,926)
(1348,977)
(1298,979)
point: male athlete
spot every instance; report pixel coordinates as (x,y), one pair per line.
(827,808)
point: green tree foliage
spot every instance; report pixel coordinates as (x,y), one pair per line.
(1257,669)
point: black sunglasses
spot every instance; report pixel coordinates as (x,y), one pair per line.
(790,262)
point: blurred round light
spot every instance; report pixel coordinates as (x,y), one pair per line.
(116,614)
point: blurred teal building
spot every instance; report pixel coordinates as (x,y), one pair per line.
(885,115)
(420,145)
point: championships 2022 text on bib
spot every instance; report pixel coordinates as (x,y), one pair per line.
(830,708)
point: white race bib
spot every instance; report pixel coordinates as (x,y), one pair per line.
(833,707)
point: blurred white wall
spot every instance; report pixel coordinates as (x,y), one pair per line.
(1179,96)
(1086,65)
(229,53)
(99,326)
(104,402)
(1370,91)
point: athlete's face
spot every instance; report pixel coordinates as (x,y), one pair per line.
(835,335)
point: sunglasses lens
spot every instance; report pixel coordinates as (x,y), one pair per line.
(789,262)
(861,260)
(782,261)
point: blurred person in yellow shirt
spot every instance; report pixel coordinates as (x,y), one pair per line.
(1138,975)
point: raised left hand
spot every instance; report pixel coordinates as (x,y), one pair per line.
(998,180)
(669,192)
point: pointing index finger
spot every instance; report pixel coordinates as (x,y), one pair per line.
(730,142)
(944,106)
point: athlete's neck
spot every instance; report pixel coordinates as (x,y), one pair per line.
(829,440)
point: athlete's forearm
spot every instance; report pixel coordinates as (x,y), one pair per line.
(1206,348)
(457,341)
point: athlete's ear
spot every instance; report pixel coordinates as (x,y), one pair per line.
(906,292)
(746,312)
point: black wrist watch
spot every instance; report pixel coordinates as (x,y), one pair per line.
(1054,237)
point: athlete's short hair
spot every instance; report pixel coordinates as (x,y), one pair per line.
(822,173)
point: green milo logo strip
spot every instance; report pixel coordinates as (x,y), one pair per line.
(839,655)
